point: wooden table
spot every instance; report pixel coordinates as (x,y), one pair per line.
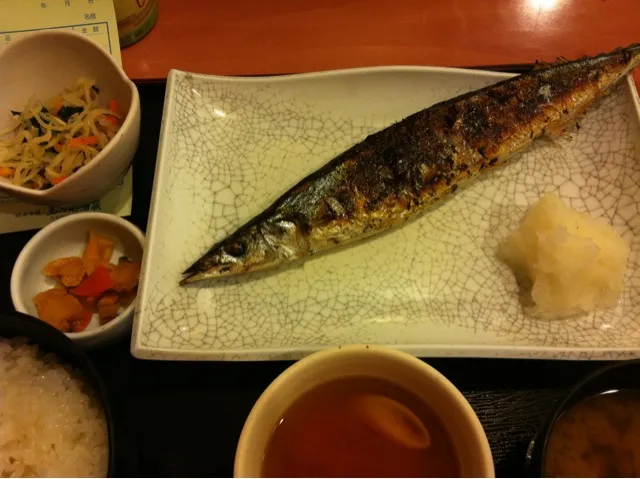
(290,36)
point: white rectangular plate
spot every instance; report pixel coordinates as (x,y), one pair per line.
(231,146)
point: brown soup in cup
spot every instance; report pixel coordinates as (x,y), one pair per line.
(595,431)
(362,411)
(360,427)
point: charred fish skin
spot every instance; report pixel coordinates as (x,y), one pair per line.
(396,173)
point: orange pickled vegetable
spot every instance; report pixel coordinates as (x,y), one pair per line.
(91,255)
(90,303)
(58,308)
(81,322)
(98,251)
(107,299)
(68,270)
(108,312)
(106,250)
(127,297)
(125,275)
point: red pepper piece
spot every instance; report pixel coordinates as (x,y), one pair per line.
(95,284)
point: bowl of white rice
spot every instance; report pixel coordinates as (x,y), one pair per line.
(55,419)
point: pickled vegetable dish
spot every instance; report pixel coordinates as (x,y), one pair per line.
(87,285)
(48,142)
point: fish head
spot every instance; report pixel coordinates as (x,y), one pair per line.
(256,246)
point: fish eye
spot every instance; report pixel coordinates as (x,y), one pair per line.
(237,248)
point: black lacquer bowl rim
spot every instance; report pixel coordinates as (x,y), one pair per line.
(49,339)
(592,384)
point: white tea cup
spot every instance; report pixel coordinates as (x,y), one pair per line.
(402,369)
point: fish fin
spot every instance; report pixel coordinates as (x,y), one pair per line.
(558,131)
(540,65)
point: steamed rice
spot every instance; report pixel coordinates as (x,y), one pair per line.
(49,425)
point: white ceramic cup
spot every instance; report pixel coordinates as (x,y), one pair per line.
(402,369)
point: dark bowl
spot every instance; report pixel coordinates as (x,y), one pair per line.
(620,375)
(50,340)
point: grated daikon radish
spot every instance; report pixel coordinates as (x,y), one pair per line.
(567,262)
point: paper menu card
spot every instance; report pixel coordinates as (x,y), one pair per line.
(96,19)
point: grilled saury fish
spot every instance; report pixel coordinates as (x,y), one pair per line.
(398,172)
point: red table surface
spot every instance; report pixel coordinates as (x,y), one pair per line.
(285,36)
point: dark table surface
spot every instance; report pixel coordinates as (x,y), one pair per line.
(184,418)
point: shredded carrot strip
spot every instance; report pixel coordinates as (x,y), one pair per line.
(6,172)
(59,179)
(83,140)
(114,107)
(57,107)
(57,147)
(111,119)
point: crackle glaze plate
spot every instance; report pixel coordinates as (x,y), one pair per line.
(230,146)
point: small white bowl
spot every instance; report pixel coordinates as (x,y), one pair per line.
(68,237)
(41,65)
(397,367)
